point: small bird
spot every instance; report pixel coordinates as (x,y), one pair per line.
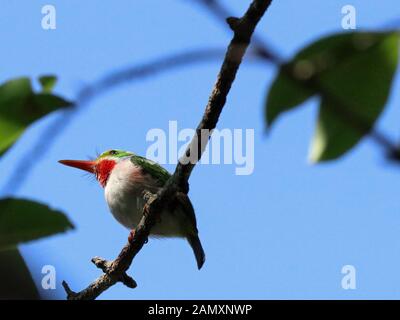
(125,176)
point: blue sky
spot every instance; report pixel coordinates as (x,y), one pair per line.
(283,232)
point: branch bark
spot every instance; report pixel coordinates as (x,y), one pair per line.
(115,271)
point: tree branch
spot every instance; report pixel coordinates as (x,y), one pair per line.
(115,271)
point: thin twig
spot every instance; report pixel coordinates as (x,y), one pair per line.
(243,29)
(220,12)
(169,62)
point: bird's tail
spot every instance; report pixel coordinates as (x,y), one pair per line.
(198,251)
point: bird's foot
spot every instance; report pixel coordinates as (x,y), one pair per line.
(131,235)
(146,209)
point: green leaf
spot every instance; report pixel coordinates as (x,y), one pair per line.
(50,102)
(290,88)
(23,220)
(362,85)
(284,95)
(15,278)
(356,69)
(20,106)
(48,83)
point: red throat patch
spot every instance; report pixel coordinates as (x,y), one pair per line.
(103,171)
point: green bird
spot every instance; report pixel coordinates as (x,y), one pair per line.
(125,176)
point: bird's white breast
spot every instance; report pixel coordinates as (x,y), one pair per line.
(123,195)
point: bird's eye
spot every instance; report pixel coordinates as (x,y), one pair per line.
(113,152)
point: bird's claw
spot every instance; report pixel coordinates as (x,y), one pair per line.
(131,235)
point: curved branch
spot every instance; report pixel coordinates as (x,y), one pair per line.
(151,68)
(243,29)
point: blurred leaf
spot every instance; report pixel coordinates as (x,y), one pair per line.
(50,102)
(284,95)
(20,106)
(362,84)
(15,279)
(47,83)
(288,89)
(24,220)
(356,69)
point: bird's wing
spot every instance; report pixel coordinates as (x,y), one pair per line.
(157,172)
(160,175)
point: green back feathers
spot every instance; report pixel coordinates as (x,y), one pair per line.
(152,168)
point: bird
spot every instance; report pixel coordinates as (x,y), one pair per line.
(125,178)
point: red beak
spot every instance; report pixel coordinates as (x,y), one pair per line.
(86,165)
